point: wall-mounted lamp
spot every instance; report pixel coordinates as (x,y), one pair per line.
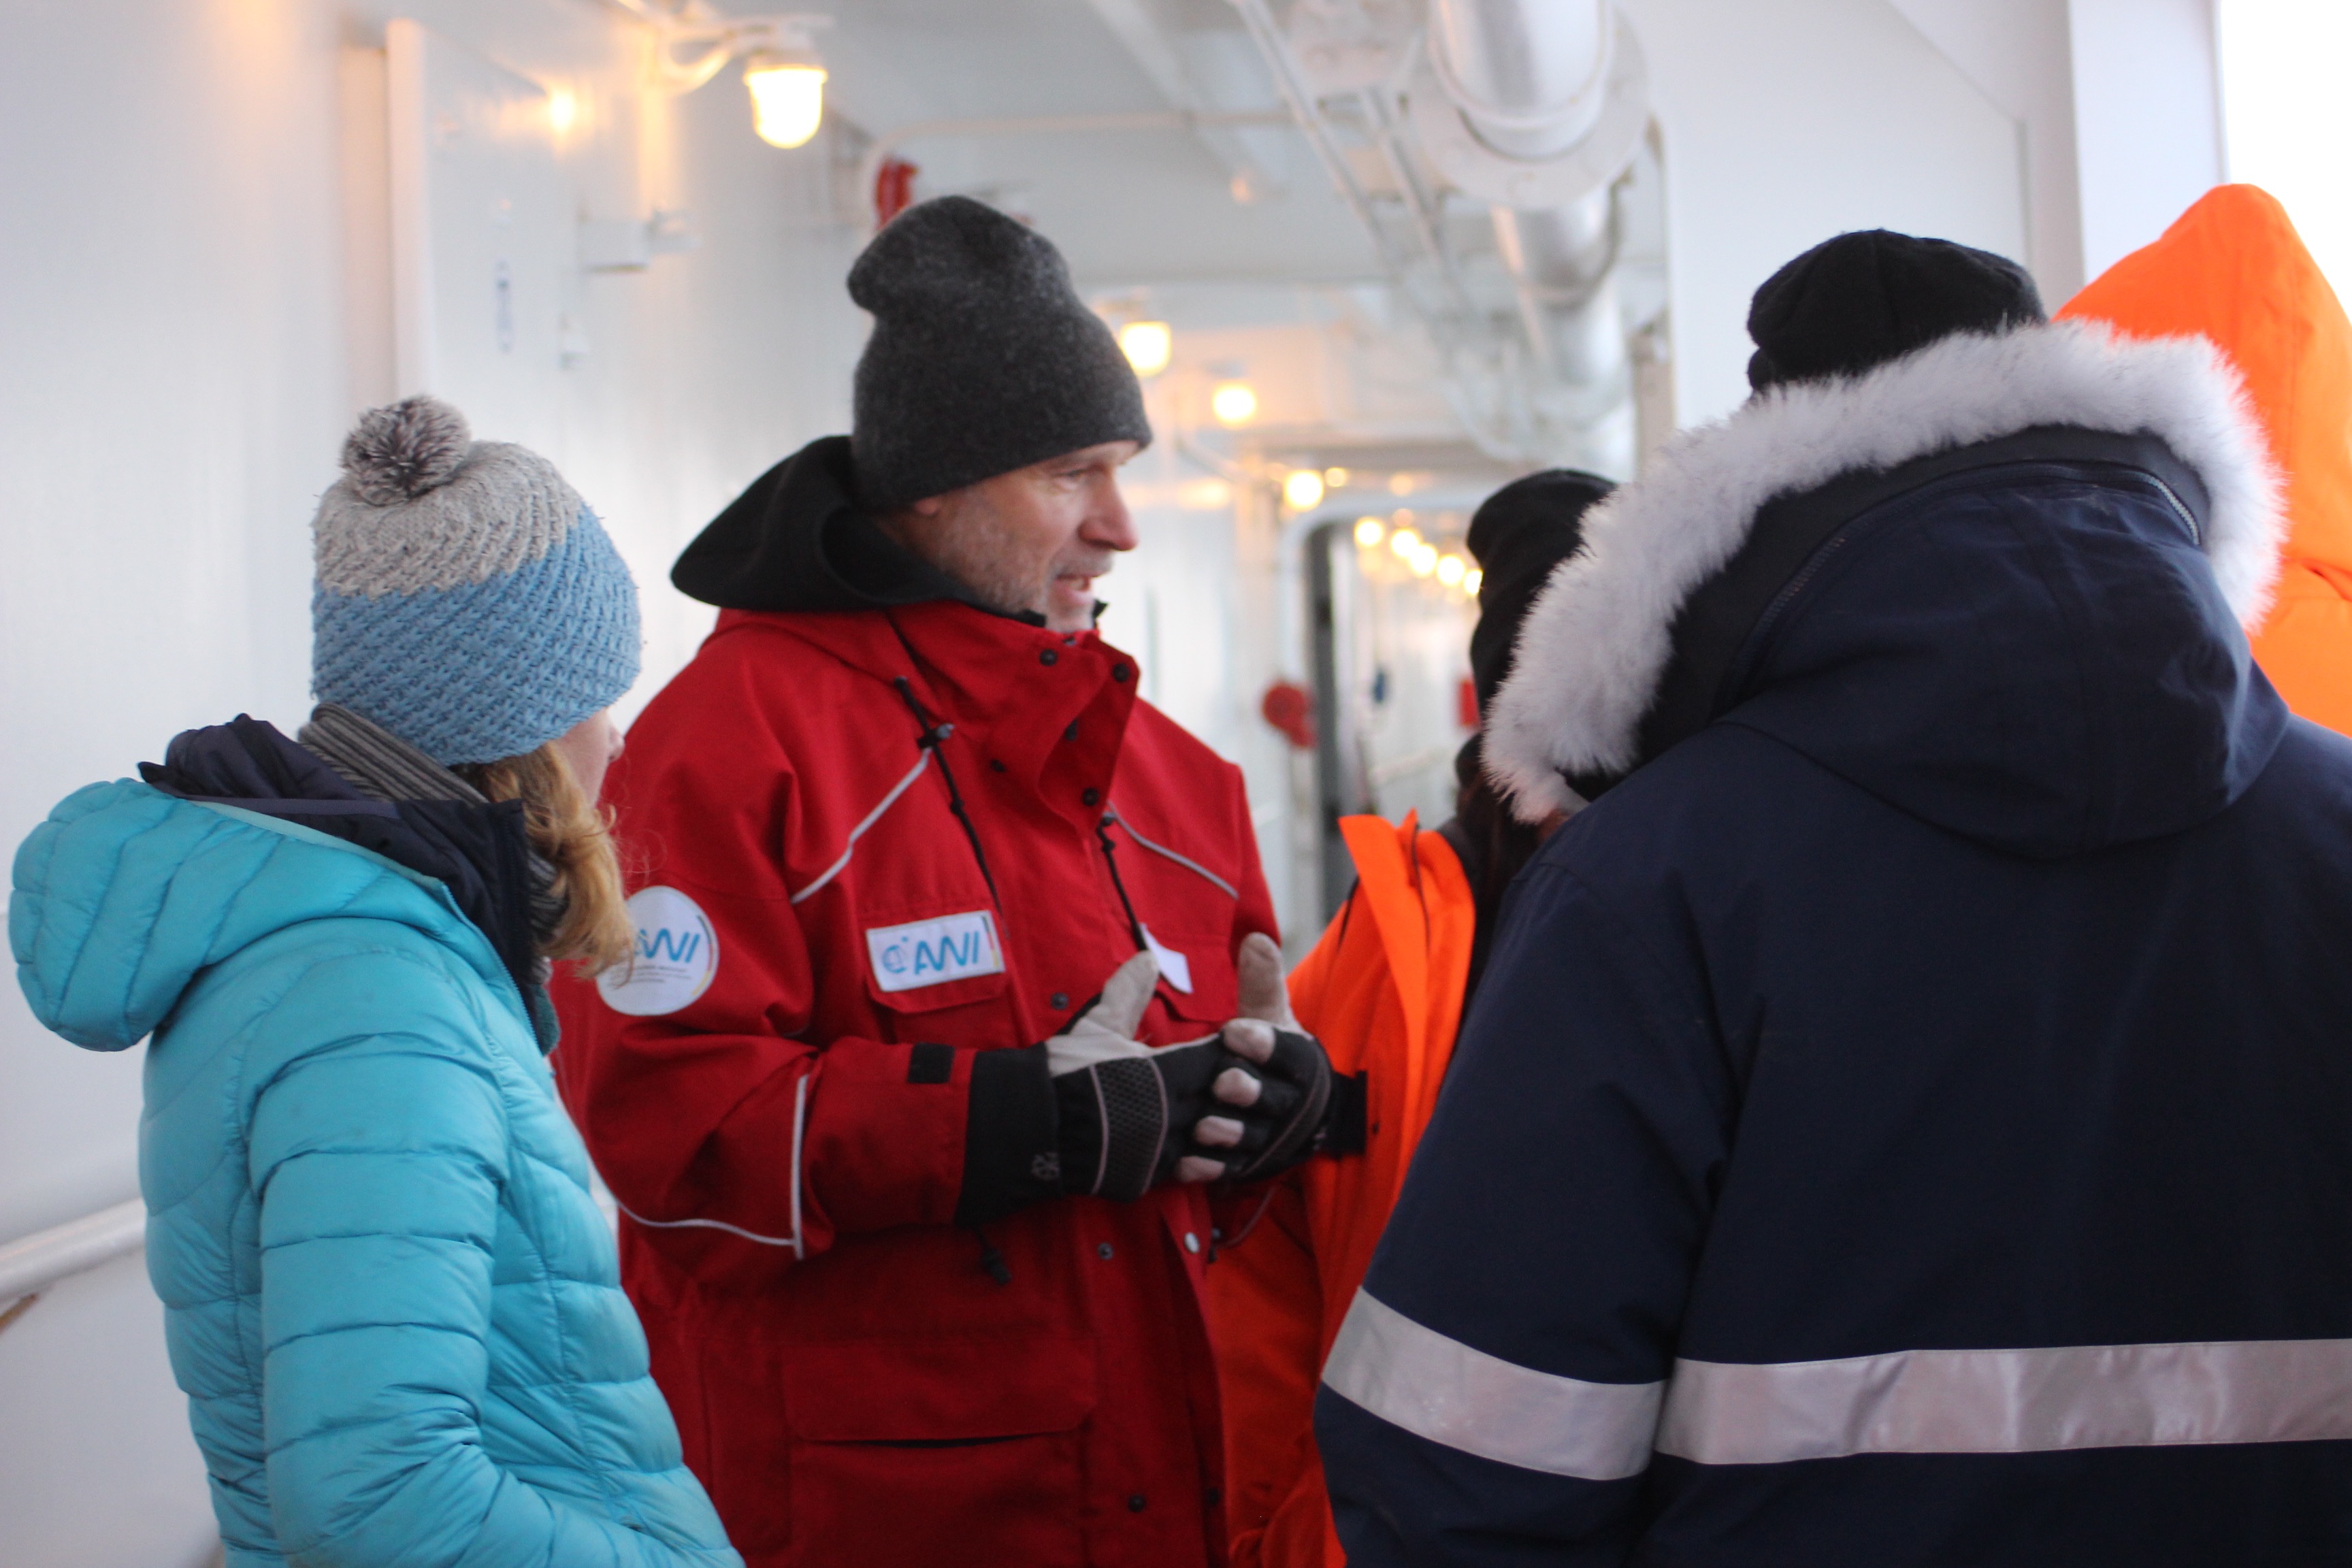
(782,71)
(1234,403)
(787,97)
(1149,346)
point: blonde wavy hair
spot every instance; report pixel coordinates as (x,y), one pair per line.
(572,834)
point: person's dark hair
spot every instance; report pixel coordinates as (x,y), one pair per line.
(1519,536)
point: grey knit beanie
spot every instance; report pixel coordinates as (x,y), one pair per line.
(983,358)
(466,600)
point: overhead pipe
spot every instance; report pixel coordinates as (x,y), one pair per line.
(1531,81)
(1530,76)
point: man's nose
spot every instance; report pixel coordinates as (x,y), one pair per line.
(1110,525)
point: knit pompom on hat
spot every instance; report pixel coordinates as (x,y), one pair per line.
(466,598)
(983,358)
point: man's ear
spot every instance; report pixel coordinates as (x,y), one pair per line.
(929,506)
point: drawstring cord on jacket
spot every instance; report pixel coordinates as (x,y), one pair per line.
(932,740)
(992,1261)
(1110,859)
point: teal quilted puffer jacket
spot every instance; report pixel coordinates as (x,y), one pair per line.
(393,1305)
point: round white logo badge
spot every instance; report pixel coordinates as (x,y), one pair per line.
(675,959)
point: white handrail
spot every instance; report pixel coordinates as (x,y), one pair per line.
(41,1260)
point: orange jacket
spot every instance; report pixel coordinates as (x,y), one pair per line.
(1383,991)
(2232,269)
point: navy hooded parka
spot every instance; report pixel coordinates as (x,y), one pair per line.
(1908,1120)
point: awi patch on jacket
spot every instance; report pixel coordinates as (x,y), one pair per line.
(674,960)
(928,953)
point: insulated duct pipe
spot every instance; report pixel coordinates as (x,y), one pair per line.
(1530,78)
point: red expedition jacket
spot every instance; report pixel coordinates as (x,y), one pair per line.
(859,1382)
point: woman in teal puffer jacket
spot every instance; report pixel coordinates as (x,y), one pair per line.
(390,1298)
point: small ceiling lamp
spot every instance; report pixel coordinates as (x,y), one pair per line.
(1147,345)
(1450,569)
(1404,541)
(1472,579)
(1234,403)
(787,98)
(1371,530)
(1303,490)
(1335,478)
(1423,560)
(782,70)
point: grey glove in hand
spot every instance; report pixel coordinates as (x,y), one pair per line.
(1282,1087)
(1127,1111)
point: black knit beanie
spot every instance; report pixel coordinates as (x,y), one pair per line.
(983,358)
(1517,536)
(1863,298)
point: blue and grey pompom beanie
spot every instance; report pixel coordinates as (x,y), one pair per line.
(466,599)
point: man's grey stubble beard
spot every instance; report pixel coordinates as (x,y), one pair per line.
(1000,578)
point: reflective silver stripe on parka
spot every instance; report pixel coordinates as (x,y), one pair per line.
(858,832)
(795,1241)
(1184,860)
(1440,1389)
(2010,1401)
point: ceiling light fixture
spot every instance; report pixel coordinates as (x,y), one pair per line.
(1371,530)
(1404,541)
(1303,490)
(1147,345)
(1450,569)
(787,98)
(1472,579)
(782,73)
(1234,403)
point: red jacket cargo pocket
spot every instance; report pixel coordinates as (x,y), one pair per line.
(937,975)
(899,1444)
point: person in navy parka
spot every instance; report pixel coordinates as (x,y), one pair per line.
(393,1305)
(1907,1118)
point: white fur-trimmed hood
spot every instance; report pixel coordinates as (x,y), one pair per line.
(1597,642)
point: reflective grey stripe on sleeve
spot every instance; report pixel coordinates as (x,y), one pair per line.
(1443,1390)
(858,832)
(2010,1401)
(794,1241)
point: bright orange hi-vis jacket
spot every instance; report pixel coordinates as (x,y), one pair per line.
(2233,269)
(1383,991)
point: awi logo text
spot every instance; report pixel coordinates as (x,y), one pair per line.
(928,952)
(675,961)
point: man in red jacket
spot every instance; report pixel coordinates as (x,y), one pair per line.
(915,1212)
